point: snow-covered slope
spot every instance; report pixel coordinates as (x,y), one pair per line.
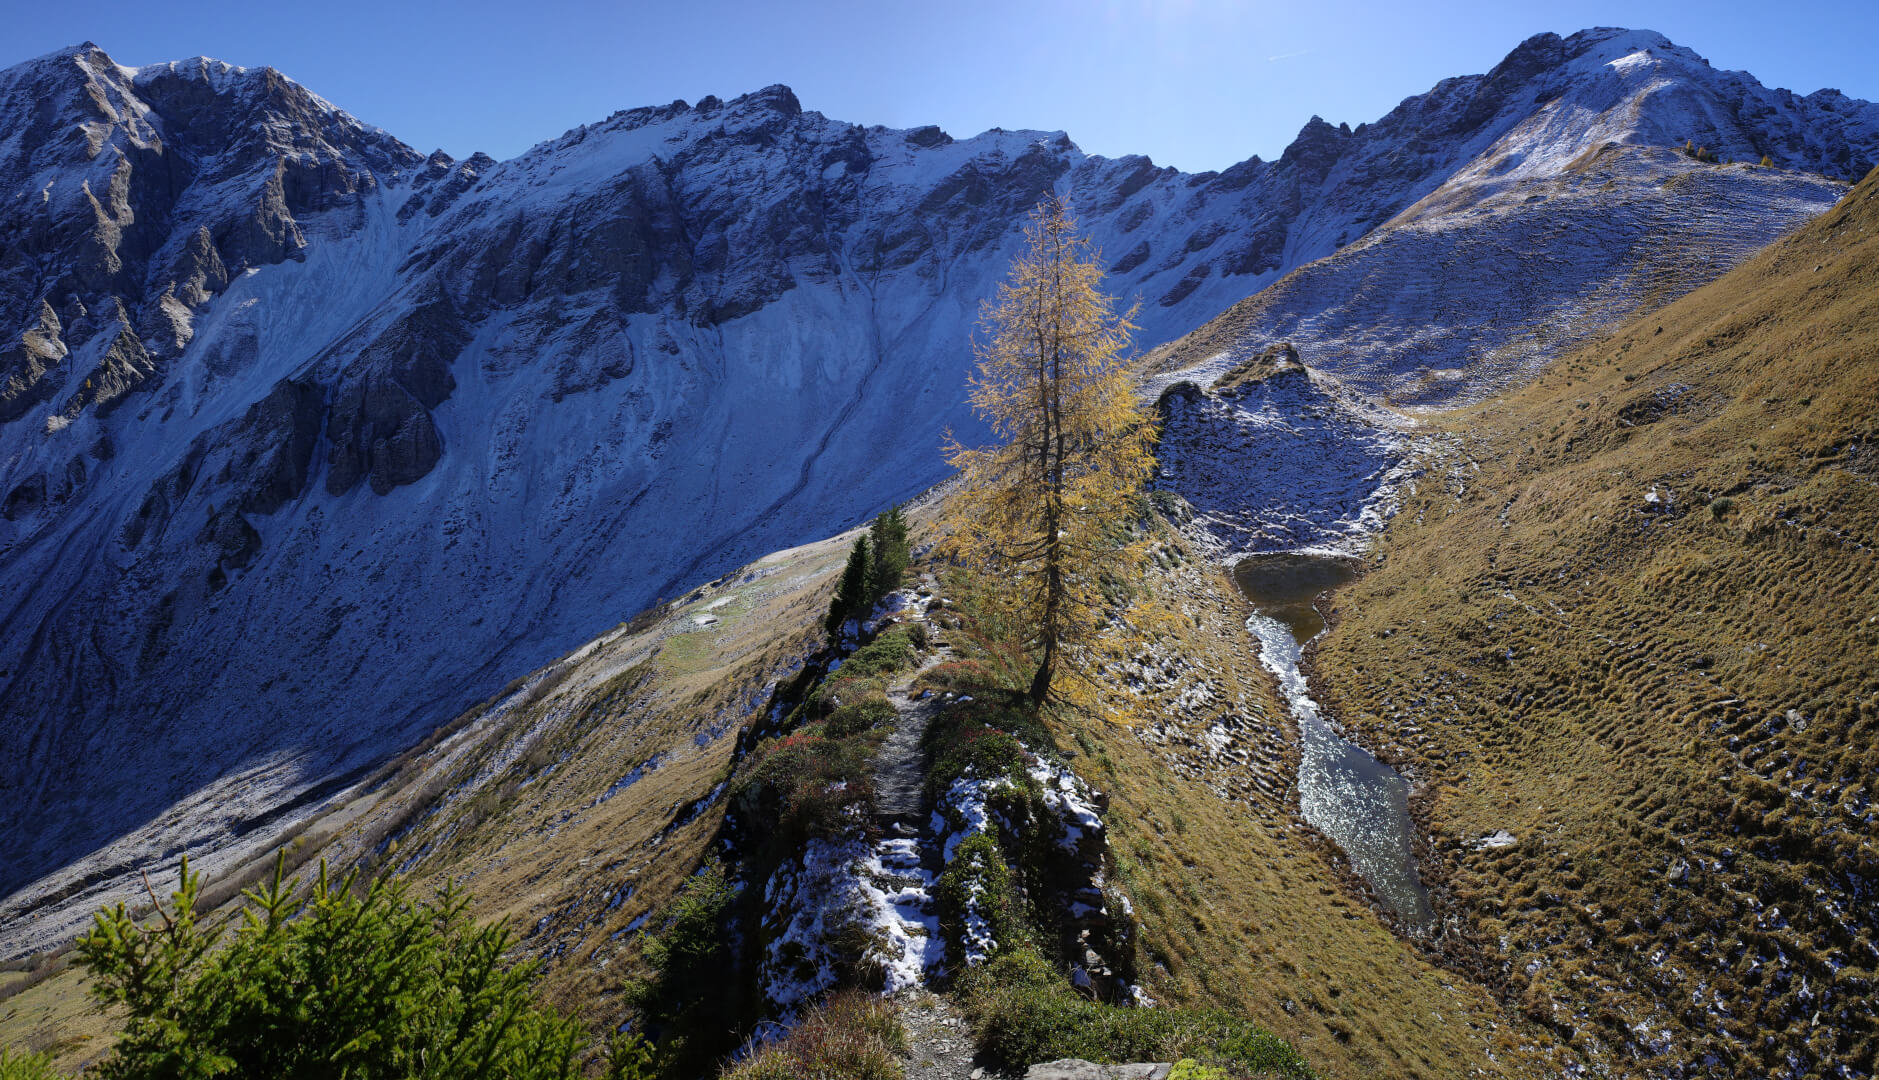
(308,441)
(1581,207)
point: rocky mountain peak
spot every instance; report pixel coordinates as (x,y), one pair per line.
(926,137)
(1534,56)
(773,98)
(1603,44)
(85,54)
(1317,147)
(222,107)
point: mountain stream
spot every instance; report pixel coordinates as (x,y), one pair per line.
(1344,791)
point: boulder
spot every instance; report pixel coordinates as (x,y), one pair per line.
(1078,1069)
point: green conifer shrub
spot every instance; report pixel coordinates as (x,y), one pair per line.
(350,980)
(24,1066)
(688,1003)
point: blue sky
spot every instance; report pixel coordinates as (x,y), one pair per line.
(1198,84)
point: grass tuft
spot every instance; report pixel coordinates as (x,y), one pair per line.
(1022,1013)
(852,1036)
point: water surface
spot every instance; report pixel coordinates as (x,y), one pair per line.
(1287,586)
(1343,790)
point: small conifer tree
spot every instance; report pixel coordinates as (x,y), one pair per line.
(352,980)
(851,596)
(888,544)
(687,999)
(22,1065)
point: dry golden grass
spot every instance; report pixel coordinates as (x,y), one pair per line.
(552,851)
(1243,907)
(515,802)
(1616,682)
(852,1036)
(57,1016)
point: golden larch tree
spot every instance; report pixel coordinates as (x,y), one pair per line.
(1044,508)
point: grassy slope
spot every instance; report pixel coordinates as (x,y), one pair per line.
(1242,906)
(57,1015)
(550,858)
(533,840)
(1613,683)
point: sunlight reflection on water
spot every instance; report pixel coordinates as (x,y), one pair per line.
(1344,791)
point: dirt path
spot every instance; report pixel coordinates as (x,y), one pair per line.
(939,1044)
(900,767)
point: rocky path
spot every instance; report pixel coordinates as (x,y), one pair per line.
(905,865)
(940,1047)
(939,1044)
(901,765)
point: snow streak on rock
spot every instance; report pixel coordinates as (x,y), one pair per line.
(810,902)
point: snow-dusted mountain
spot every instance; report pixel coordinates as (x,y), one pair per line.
(1580,209)
(307,441)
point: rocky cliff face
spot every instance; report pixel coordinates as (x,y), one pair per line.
(308,440)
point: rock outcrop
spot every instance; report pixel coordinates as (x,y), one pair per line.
(28,372)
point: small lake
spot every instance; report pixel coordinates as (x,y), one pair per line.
(1343,790)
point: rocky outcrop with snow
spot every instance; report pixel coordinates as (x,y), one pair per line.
(1281,462)
(308,440)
